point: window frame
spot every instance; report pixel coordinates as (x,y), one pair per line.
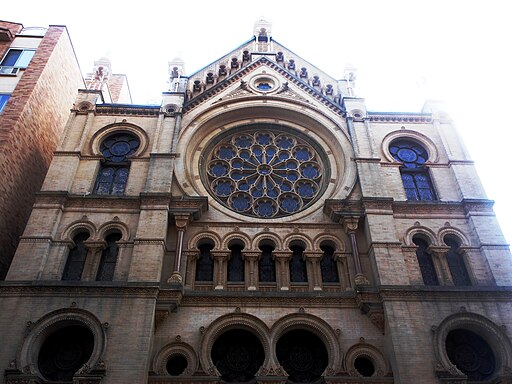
(22,60)
(4,98)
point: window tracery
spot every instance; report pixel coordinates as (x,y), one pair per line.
(265,171)
(415,176)
(113,175)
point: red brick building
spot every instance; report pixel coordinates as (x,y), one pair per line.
(39,79)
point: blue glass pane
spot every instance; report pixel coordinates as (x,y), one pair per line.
(224,188)
(306,190)
(219,169)
(236,175)
(302,154)
(264,86)
(264,139)
(291,165)
(237,164)
(240,203)
(290,204)
(244,186)
(226,153)
(270,151)
(265,209)
(273,192)
(412,194)
(309,171)
(255,192)
(243,142)
(120,148)
(284,143)
(245,155)
(408,181)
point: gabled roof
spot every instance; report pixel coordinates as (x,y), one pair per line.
(330,98)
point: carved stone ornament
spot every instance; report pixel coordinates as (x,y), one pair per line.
(361,280)
(175,278)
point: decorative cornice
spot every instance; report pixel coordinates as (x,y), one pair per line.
(445,293)
(383,117)
(90,289)
(124,109)
(219,87)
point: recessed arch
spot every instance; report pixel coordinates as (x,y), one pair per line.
(423,140)
(82,225)
(175,348)
(228,322)
(205,237)
(317,326)
(266,238)
(236,238)
(57,320)
(455,233)
(114,226)
(323,239)
(423,232)
(298,239)
(110,129)
(372,354)
(479,325)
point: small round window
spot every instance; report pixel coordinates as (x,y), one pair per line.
(264,84)
(408,152)
(265,171)
(118,147)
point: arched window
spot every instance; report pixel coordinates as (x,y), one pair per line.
(115,166)
(415,176)
(76,258)
(266,265)
(328,265)
(204,264)
(109,258)
(428,271)
(460,275)
(298,273)
(236,264)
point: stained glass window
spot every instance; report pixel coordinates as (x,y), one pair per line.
(204,264)
(456,263)
(108,259)
(236,264)
(415,176)
(76,258)
(265,171)
(266,265)
(298,273)
(115,167)
(427,269)
(328,265)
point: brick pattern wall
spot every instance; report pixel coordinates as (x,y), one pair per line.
(30,129)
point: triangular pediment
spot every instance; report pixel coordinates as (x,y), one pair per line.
(304,79)
(285,84)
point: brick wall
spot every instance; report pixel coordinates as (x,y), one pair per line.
(30,129)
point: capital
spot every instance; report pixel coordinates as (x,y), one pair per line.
(350,224)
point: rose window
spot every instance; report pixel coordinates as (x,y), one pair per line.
(265,171)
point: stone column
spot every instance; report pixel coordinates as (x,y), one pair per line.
(313,259)
(181,222)
(441,264)
(220,261)
(192,257)
(92,261)
(350,225)
(343,270)
(251,270)
(282,269)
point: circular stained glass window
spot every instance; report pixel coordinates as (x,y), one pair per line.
(408,152)
(265,171)
(117,147)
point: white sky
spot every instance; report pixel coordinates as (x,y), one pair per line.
(405,51)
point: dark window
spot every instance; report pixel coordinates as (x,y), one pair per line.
(236,264)
(364,366)
(470,354)
(415,176)
(64,352)
(303,356)
(76,258)
(328,265)
(113,175)
(298,273)
(204,264)
(428,271)
(456,263)
(238,354)
(109,258)
(267,266)
(15,59)
(176,365)
(4,98)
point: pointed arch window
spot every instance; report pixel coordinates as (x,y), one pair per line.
(328,265)
(455,260)
(298,272)
(236,264)
(108,259)
(115,167)
(76,258)
(266,265)
(427,268)
(415,175)
(204,264)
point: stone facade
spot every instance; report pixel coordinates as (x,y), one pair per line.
(262,227)
(31,123)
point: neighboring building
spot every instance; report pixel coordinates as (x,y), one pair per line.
(39,78)
(260,226)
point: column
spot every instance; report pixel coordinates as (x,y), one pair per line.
(314,272)
(181,223)
(441,264)
(282,270)
(251,269)
(92,261)
(220,261)
(350,225)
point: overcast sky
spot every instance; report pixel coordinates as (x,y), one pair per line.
(405,52)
